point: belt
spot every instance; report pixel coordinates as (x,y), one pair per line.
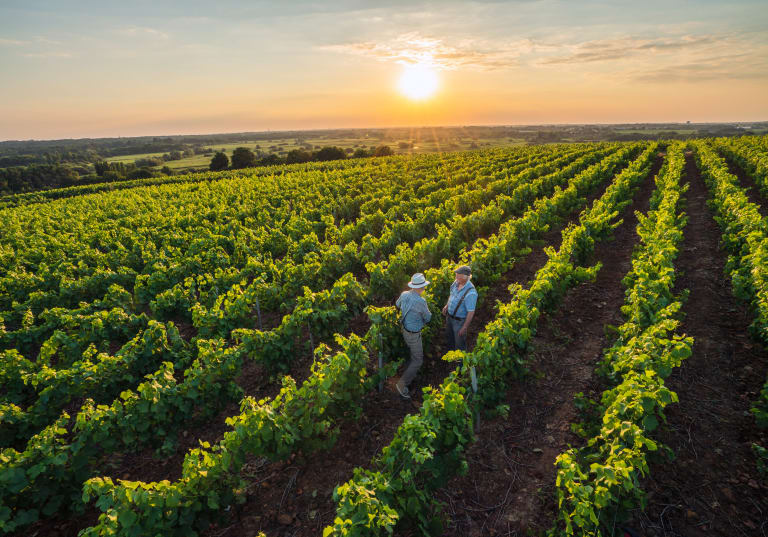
(410,331)
(456,318)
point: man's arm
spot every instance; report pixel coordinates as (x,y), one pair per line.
(471,302)
(425,313)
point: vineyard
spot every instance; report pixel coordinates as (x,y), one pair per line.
(213,354)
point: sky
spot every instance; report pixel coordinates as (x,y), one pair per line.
(105,68)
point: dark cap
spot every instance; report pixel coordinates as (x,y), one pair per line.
(464,269)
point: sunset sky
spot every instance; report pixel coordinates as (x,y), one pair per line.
(106,68)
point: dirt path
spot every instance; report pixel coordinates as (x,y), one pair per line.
(712,488)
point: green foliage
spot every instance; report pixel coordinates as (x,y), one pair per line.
(299,418)
(219,162)
(206,251)
(322,313)
(745,236)
(242,157)
(427,450)
(603,478)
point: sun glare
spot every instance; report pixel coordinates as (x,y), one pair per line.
(418,81)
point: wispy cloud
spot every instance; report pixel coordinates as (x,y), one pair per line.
(615,49)
(684,58)
(46,41)
(48,54)
(413,48)
(138,31)
(733,67)
(12,42)
(673,58)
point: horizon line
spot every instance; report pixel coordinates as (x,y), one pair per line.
(329,129)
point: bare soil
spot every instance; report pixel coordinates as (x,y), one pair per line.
(712,487)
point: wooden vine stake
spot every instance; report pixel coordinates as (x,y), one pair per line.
(258,314)
(381,361)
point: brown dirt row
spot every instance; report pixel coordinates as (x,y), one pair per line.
(712,487)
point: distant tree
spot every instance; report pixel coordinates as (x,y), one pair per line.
(242,157)
(330,153)
(295,156)
(360,153)
(270,160)
(148,162)
(101,167)
(37,176)
(141,173)
(383,151)
(219,162)
(166,170)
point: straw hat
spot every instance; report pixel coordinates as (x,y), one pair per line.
(418,281)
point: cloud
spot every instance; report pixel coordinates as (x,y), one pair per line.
(49,54)
(607,49)
(138,31)
(12,42)
(413,48)
(692,58)
(45,40)
(742,66)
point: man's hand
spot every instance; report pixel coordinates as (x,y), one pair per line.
(463,330)
(445,309)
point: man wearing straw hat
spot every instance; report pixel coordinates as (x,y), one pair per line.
(414,315)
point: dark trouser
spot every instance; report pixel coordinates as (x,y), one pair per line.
(452,338)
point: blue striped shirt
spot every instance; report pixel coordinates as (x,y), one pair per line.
(468,304)
(414,312)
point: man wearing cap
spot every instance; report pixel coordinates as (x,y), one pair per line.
(414,315)
(459,309)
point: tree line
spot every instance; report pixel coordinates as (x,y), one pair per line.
(33,177)
(242,157)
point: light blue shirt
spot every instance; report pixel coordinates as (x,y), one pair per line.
(414,312)
(468,304)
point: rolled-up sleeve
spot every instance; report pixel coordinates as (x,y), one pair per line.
(471,300)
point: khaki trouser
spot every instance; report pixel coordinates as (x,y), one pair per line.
(413,341)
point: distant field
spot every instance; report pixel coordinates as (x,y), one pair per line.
(654,131)
(131,158)
(282,146)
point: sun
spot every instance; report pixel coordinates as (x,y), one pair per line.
(418,81)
